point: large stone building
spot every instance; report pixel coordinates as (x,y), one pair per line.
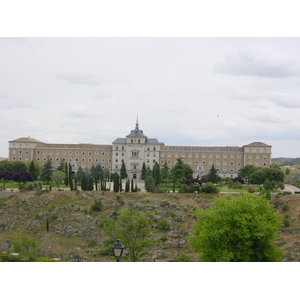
(136,149)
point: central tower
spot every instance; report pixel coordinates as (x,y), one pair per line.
(134,150)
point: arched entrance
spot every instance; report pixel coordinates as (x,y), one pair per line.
(134,176)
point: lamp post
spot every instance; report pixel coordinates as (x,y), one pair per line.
(77,257)
(118,249)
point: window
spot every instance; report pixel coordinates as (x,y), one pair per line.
(217,162)
(257,156)
(231,155)
(231,163)
(44,152)
(122,147)
(70,152)
(224,155)
(203,155)
(210,155)
(190,155)
(218,155)
(90,153)
(134,154)
(154,148)
(83,153)
(57,152)
(182,154)
(224,162)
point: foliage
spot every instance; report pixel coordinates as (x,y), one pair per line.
(257,177)
(246,171)
(183,258)
(97,206)
(150,184)
(92,243)
(165,174)
(164,225)
(212,175)
(237,229)
(26,246)
(268,185)
(34,170)
(96,171)
(144,170)
(58,177)
(133,230)
(181,172)
(156,174)
(286,221)
(70,173)
(116,183)
(123,172)
(239,179)
(251,189)
(46,171)
(14,166)
(284,207)
(209,188)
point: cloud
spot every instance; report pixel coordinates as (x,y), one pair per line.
(78,77)
(285,100)
(7,103)
(259,64)
(80,111)
(265,116)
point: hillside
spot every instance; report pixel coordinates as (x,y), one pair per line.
(74,228)
(286,161)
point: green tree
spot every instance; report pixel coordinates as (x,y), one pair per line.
(58,177)
(165,174)
(123,172)
(246,171)
(116,183)
(46,171)
(212,175)
(71,177)
(150,184)
(133,229)
(66,175)
(80,174)
(144,170)
(181,172)
(237,229)
(26,246)
(156,174)
(257,177)
(62,166)
(34,171)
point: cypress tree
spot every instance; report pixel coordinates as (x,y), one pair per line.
(127,186)
(67,175)
(70,177)
(144,170)
(132,188)
(123,172)
(116,183)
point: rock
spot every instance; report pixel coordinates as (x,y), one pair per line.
(164,203)
(83,196)
(33,224)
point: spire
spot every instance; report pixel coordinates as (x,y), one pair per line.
(137,123)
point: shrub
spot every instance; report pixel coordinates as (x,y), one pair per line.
(164,225)
(284,207)
(163,238)
(92,243)
(286,222)
(97,206)
(183,258)
(251,189)
(209,188)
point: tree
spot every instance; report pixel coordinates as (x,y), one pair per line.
(156,174)
(237,229)
(123,172)
(116,183)
(96,171)
(144,170)
(257,177)
(181,172)
(70,177)
(33,171)
(46,171)
(62,166)
(246,171)
(133,229)
(58,177)
(165,174)
(150,184)
(212,175)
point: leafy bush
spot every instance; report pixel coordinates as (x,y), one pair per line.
(164,225)
(163,238)
(209,188)
(286,221)
(183,258)
(97,206)
(92,243)
(251,189)
(284,207)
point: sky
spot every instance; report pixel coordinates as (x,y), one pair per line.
(190,91)
(197,91)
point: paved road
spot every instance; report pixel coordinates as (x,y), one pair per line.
(290,188)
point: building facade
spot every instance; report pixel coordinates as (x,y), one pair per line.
(136,149)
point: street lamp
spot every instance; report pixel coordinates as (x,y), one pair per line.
(118,249)
(77,257)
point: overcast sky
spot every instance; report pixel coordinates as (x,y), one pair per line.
(185,91)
